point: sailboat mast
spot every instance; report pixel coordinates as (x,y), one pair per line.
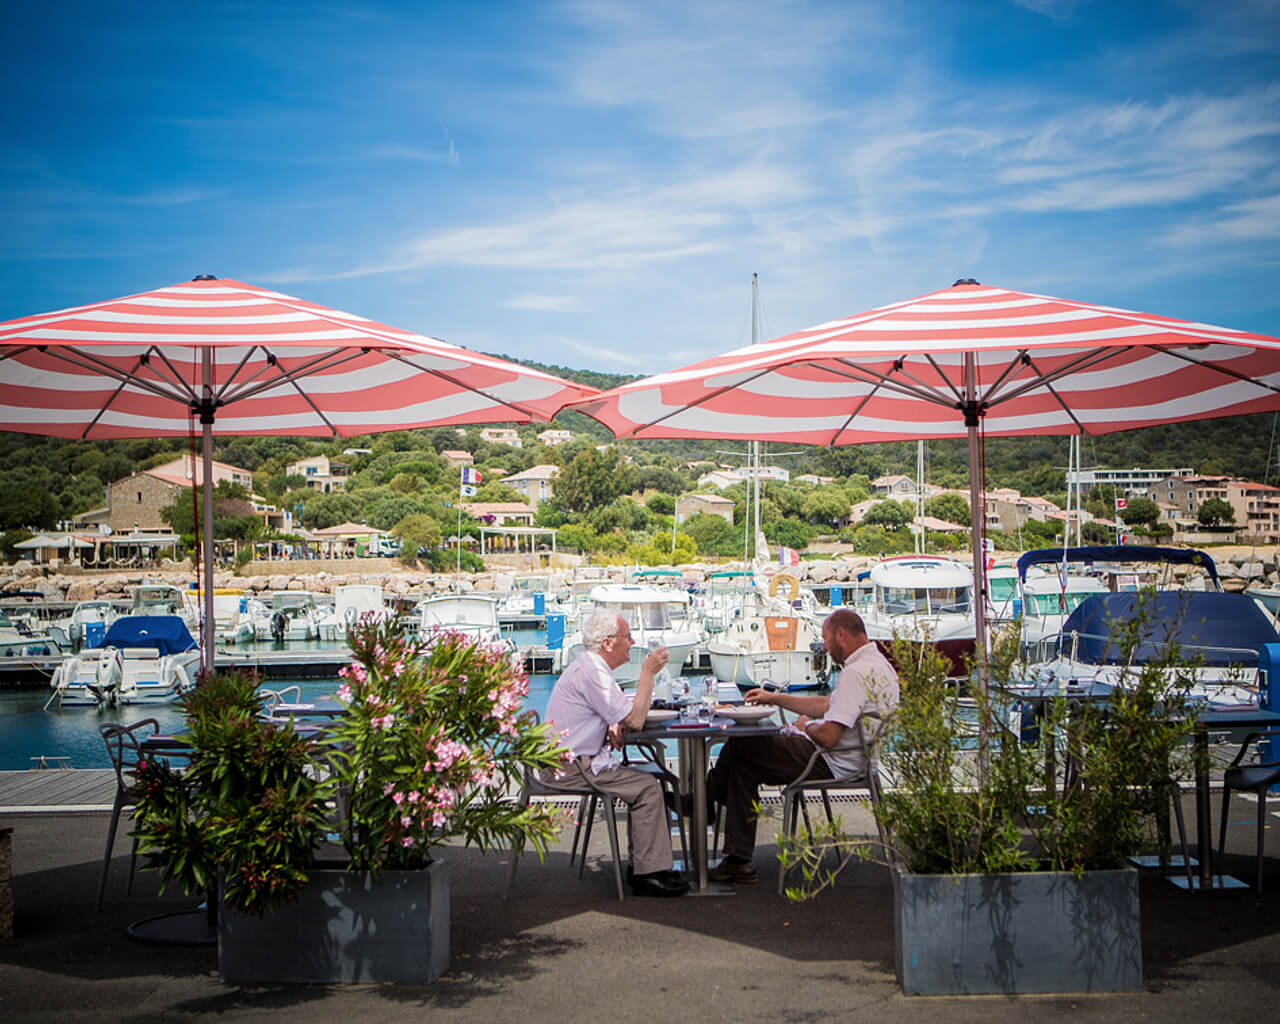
(755,445)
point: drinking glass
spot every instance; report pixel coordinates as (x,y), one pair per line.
(710,696)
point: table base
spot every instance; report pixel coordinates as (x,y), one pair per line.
(188,928)
(1224,883)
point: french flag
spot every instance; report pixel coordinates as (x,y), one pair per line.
(470,476)
(788,556)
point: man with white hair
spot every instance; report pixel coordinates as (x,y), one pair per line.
(590,711)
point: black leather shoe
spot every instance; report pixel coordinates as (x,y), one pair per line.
(659,883)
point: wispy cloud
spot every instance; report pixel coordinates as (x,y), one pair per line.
(547,303)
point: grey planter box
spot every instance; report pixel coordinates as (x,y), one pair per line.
(1017,933)
(344,929)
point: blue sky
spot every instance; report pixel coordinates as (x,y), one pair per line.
(593,183)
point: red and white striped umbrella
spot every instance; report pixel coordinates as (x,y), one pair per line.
(1039,366)
(960,362)
(135,367)
(243,360)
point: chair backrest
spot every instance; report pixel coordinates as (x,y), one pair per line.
(124,746)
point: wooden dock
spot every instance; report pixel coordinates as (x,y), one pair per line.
(57,790)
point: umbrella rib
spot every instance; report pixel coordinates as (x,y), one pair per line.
(921,390)
(954,390)
(1220,369)
(515,407)
(1054,392)
(248,389)
(635,431)
(85,361)
(173,370)
(1084,362)
(1020,359)
(852,416)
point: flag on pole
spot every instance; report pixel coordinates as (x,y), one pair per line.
(470,478)
(788,556)
(1121,504)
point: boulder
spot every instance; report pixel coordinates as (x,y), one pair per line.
(278,582)
(1234,585)
(82,590)
(822,572)
(1252,570)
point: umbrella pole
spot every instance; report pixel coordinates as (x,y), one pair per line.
(977,516)
(206,458)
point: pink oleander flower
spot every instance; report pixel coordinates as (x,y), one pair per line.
(406,822)
(407,841)
(438,818)
(344,693)
(388,789)
(398,798)
(413,796)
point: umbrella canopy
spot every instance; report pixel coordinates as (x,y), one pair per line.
(1040,366)
(247,361)
(961,362)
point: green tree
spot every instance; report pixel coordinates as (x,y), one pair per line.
(23,504)
(1215,512)
(1140,512)
(713,535)
(889,514)
(660,503)
(417,533)
(950,508)
(594,478)
(825,506)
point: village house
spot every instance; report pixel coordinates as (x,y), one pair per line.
(537,483)
(321,473)
(689,505)
(456,457)
(895,486)
(501,435)
(503,513)
(134,502)
(552,437)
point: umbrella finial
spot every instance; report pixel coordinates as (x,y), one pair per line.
(205,277)
(964,280)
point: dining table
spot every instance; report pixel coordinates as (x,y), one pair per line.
(694,739)
(1208,721)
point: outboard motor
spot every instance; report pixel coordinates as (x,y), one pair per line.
(279,626)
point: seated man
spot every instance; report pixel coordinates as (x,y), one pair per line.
(868,681)
(589,708)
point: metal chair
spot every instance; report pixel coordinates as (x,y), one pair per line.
(1251,778)
(124,747)
(586,791)
(793,793)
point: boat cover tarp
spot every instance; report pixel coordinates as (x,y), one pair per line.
(1117,553)
(168,634)
(1223,629)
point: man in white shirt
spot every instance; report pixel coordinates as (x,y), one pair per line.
(867,681)
(590,711)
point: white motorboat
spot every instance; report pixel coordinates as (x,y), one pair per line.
(473,615)
(352,603)
(529,596)
(144,659)
(1048,599)
(19,640)
(769,642)
(722,597)
(647,610)
(88,622)
(235,616)
(922,598)
(290,615)
(1004,597)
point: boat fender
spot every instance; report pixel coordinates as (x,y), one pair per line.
(793,585)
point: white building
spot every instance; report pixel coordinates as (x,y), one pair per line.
(537,483)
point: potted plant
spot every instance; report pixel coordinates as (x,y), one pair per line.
(432,740)
(1006,877)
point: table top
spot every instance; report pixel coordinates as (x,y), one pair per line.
(314,708)
(719,726)
(1225,717)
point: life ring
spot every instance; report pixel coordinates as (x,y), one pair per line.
(792,582)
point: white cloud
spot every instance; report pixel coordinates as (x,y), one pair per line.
(547,303)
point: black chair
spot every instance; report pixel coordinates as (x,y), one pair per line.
(870,725)
(124,747)
(591,796)
(1250,778)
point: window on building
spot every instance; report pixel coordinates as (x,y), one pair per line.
(139,497)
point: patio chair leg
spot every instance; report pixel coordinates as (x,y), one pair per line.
(577,830)
(1262,824)
(826,803)
(1222,833)
(1175,799)
(788,829)
(592,804)
(613,846)
(111,842)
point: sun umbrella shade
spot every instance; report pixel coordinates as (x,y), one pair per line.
(1040,366)
(132,367)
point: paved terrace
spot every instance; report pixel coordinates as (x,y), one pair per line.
(566,950)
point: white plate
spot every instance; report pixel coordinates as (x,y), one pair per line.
(657,716)
(750,713)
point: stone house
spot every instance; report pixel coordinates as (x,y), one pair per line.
(321,473)
(537,483)
(689,505)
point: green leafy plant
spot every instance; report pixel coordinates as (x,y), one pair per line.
(974,785)
(432,742)
(249,801)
